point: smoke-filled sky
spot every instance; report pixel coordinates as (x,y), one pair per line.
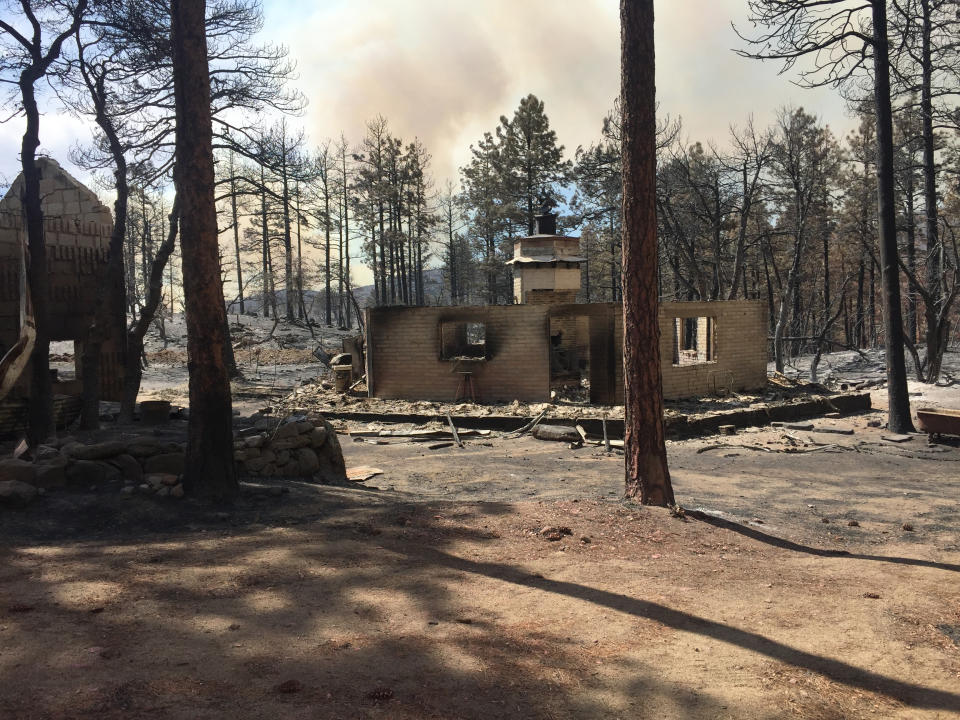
(445,70)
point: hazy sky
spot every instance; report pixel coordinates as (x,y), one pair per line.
(445,70)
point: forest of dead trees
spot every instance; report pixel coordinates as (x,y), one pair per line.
(785,212)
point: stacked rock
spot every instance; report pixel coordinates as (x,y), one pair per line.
(294,447)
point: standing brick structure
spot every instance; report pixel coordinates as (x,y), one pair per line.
(411,356)
(77,230)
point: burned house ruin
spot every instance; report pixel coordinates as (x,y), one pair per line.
(546,340)
(77,230)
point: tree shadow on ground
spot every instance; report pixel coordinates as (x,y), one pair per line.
(354,610)
(755,534)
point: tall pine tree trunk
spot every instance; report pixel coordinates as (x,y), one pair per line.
(40,410)
(236,232)
(647,474)
(898,404)
(209,470)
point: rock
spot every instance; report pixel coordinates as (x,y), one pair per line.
(895,438)
(128,466)
(834,430)
(16,493)
(171,463)
(907,526)
(51,473)
(145,488)
(158,480)
(332,466)
(98,451)
(45,452)
(308,462)
(560,433)
(68,447)
(256,441)
(304,426)
(65,440)
(17,470)
(874,423)
(143,447)
(163,491)
(288,687)
(798,426)
(554,532)
(255,465)
(293,468)
(291,443)
(318,436)
(283,457)
(177,491)
(727,429)
(284,431)
(128,490)
(853,523)
(91,472)
(265,424)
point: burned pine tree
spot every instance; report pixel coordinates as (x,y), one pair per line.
(841,40)
(647,474)
(26,60)
(209,470)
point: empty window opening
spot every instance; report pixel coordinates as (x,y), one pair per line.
(694,341)
(463,341)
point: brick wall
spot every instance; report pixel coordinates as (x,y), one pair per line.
(77,229)
(403,349)
(403,346)
(739,353)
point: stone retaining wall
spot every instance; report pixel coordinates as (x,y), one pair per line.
(149,464)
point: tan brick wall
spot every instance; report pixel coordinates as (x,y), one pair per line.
(404,349)
(403,345)
(739,355)
(77,233)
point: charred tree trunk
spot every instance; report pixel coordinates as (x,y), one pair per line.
(911,233)
(236,233)
(858,322)
(110,302)
(898,419)
(40,410)
(327,293)
(265,245)
(209,470)
(287,239)
(133,367)
(936,334)
(647,474)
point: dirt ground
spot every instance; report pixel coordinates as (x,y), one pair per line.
(814,576)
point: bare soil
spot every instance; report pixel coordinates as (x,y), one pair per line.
(814,576)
